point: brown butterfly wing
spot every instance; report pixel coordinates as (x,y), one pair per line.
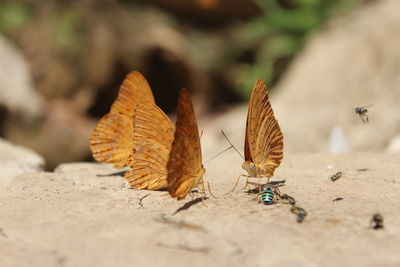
(152,140)
(259,108)
(134,90)
(269,146)
(264,139)
(111,140)
(185,167)
(247,154)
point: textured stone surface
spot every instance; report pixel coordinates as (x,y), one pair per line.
(16,160)
(85,214)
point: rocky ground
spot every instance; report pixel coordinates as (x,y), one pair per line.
(85,214)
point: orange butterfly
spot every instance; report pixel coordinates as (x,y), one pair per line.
(185,168)
(128,136)
(263,145)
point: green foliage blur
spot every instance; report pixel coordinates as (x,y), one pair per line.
(261,48)
(64,23)
(279,35)
(13,16)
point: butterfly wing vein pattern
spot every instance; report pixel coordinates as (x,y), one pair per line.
(185,169)
(111,140)
(269,146)
(264,138)
(134,90)
(152,141)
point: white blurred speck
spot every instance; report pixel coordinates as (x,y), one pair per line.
(338,142)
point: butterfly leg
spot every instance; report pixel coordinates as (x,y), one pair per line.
(260,187)
(259,183)
(209,187)
(256,185)
(237,181)
(202,191)
(258,196)
(203,200)
(247,182)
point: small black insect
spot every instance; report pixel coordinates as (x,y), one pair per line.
(338,198)
(377,221)
(300,212)
(336,176)
(362,112)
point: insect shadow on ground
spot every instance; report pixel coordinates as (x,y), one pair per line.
(119,173)
(189,204)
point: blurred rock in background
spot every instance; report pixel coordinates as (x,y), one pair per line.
(78,53)
(351,62)
(394,145)
(16,160)
(17,93)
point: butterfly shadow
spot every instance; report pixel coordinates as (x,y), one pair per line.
(119,173)
(187,205)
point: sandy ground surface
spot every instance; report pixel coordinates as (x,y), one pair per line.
(85,214)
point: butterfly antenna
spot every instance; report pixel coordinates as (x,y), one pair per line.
(226,149)
(201,134)
(232,144)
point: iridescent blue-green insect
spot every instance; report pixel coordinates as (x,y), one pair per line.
(268,195)
(271,194)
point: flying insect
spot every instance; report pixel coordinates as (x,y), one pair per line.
(363,113)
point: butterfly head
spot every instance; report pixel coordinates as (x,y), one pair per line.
(250,167)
